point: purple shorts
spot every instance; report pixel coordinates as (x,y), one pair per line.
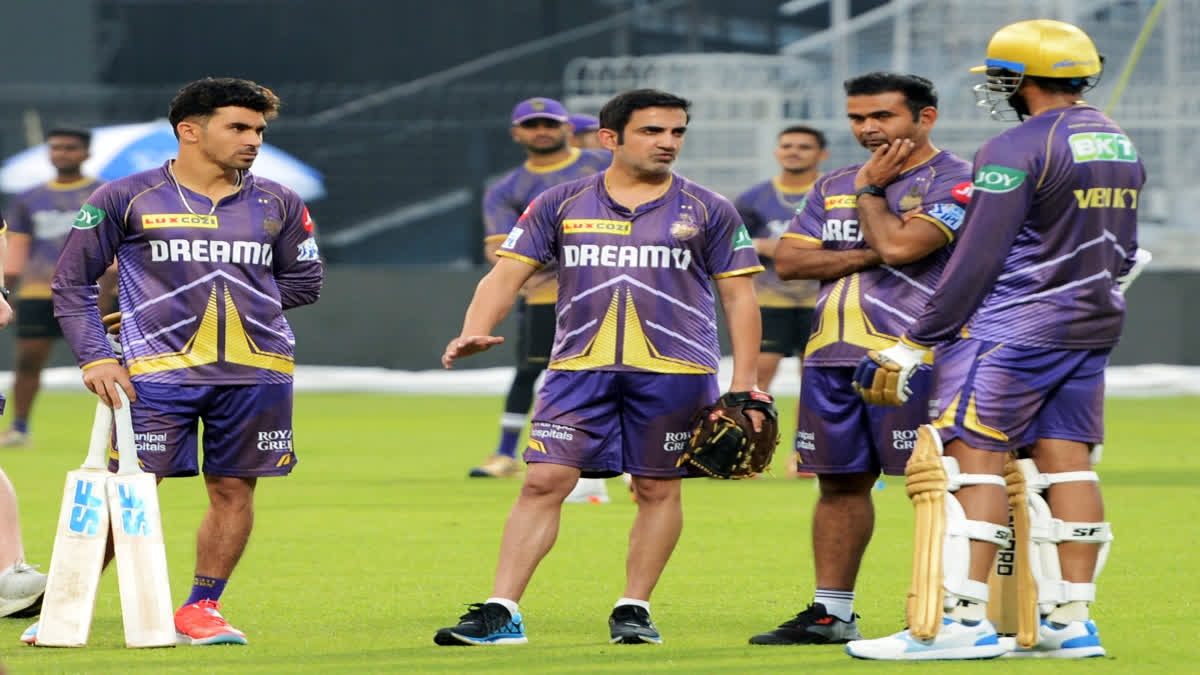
(607,422)
(837,432)
(247,429)
(1000,397)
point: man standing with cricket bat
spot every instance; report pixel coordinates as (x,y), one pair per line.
(209,256)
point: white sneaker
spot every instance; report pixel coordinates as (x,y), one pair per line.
(15,439)
(588,491)
(1075,640)
(955,640)
(20,587)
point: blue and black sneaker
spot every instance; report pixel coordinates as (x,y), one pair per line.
(484,624)
(631,625)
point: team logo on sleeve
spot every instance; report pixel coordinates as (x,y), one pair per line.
(741,238)
(950,215)
(88,217)
(998,179)
(308,251)
(514,235)
(1102,147)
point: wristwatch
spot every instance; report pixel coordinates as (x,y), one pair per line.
(871,190)
(4,292)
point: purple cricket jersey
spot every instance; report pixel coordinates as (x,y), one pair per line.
(871,308)
(634,289)
(45,215)
(1051,223)
(766,209)
(507,199)
(202,296)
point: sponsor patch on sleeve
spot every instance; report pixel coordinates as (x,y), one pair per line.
(514,235)
(741,238)
(950,215)
(307,250)
(88,217)
(1099,146)
(962,192)
(998,179)
(525,213)
(308,221)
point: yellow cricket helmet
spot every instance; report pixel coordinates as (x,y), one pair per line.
(1042,48)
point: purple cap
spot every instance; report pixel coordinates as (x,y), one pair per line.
(539,108)
(584,123)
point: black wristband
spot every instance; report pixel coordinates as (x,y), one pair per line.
(871,190)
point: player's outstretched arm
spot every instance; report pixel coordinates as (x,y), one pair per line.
(494,297)
(803,258)
(744,319)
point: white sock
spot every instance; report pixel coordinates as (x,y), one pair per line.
(507,604)
(644,604)
(1072,611)
(967,610)
(837,603)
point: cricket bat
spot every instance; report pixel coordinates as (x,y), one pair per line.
(141,555)
(79,544)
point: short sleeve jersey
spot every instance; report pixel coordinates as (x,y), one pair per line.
(507,199)
(766,209)
(634,286)
(871,308)
(45,214)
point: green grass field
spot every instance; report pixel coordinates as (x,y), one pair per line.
(378,539)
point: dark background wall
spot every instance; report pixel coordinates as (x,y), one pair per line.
(402,318)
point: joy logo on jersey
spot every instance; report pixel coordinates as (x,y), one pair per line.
(88,217)
(85,512)
(998,179)
(133,511)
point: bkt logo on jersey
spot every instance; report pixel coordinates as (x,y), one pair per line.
(85,512)
(133,511)
(212,250)
(593,255)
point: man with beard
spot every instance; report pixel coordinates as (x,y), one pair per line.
(877,235)
(540,126)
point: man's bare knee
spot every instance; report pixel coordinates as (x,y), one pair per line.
(231,493)
(549,481)
(655,490)
(846,484)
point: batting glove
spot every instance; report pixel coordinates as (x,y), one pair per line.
(882,378)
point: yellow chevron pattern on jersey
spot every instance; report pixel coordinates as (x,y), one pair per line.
(849,323)
(638,351)
(240,347)
(601,350)
(199,350)
(827,330)
(637,348)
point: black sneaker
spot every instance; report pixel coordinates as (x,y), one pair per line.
(484,624)
(813,626)
(631,625)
